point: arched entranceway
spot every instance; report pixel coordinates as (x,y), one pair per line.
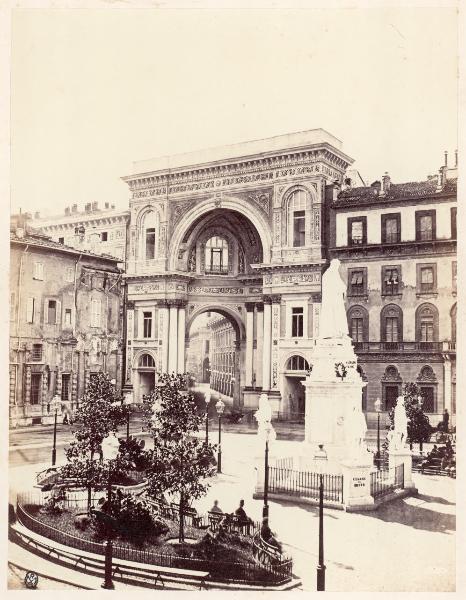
(215,351)
(294,373)
(144,378)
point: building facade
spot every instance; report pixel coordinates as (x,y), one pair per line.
(97,230)
(65,323)
(198,357)
(239,231)
(397,246)
(223,348)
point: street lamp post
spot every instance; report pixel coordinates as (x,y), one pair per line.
(220,407)
(207,401)
(128,400)
(265,509)
(319,457)
(378,407)
(55,405)
(110,447)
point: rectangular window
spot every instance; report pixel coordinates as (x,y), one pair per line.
(391,394)
(104,236)
(61,240)
(357,231)
(453,222)
(427,279)
(30,310)
(36,354)
(356,282)
(427,330)
(67,317)
(297,321)
(38,271)
(207,346)
(391,228)
(65,387)
(299,228)
(357,331)
(454,267)
(427,392)
(147,321)
(150,243)
(95,312)
(52,312)
(36,380)
(391,283)
(391,329)
(425,225)
(69,274)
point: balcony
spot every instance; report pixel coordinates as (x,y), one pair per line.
(405,347)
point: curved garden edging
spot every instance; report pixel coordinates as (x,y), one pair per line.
(266,576)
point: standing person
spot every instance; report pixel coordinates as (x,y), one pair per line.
(445,420)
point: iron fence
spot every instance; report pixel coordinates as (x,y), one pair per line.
(251,573)
(386,481)
(305,484)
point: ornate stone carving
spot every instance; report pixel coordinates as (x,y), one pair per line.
(178,209)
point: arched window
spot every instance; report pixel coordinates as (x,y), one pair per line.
(149,226)
(427,325)
(216,255)
(453,323)
(391,325)
(297,363)
(297,209)
(358,325)
(391,387)
(146,361)
(427,382)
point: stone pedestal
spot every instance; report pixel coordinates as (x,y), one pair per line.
(333,393)
(402,456)
(356,484)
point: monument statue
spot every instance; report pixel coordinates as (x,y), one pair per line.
(333,322)
(399,434)
(263,417)
(357,428)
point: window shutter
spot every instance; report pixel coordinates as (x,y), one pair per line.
(46,311)
(30,311)
(58,313)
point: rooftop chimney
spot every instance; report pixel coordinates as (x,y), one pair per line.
(67,210)
(74,208)
(87,208)
(95,206)
(446,158)
(107,205)
(19,232)
(336,188)
(377,185)
(37,215)
(113,206)
(386,182)
(440,179)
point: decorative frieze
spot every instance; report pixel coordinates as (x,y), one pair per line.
(236,291)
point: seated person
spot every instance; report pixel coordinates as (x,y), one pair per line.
(267,535)
(242,517)
(216,508)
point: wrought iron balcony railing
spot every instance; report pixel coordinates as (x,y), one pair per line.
(446,346)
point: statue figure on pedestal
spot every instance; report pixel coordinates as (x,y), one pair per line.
(399,434)
(333,322)
(357,428)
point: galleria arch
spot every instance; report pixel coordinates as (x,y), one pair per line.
(238,231)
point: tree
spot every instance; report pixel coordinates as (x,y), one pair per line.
(419,428)
(99,413)
(180,461)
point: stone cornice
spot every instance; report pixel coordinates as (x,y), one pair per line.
(377,202)
(233,167)
(393,251)
(134,278)
(303,267)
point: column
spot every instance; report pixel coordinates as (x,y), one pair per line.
(260,343)
(163,336)
(266,344)
(275,327)
(249,342)
(130,319)
(446,385)
(173,337)
(181,338)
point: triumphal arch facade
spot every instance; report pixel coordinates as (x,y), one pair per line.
(241,231)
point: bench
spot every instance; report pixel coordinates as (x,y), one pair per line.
(188,513)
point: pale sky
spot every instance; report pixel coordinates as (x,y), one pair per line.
(95,90)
